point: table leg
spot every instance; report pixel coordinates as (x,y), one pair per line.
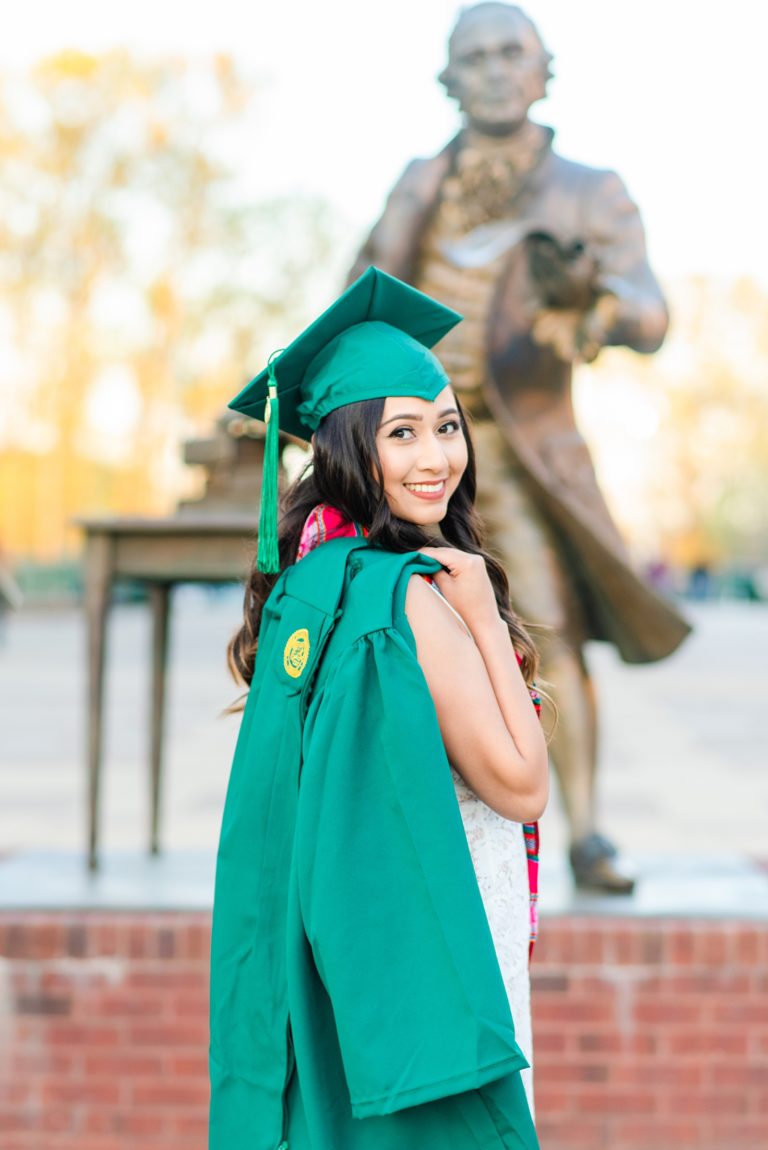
(98,582)
(159,594)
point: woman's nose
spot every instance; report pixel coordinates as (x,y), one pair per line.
(432,456)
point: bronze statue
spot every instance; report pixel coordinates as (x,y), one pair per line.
(546,260)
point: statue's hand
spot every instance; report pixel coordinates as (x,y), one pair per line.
(596,327)
(576,336)
(558,329)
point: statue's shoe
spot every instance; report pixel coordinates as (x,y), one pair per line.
(594,866)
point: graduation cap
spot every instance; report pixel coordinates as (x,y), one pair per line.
(372,342)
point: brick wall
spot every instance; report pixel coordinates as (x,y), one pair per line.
(649,1035)
(103,1032)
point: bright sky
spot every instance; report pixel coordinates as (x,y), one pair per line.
(671,93)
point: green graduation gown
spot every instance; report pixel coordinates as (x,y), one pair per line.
(356,998)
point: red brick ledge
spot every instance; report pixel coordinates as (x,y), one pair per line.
(650,1034)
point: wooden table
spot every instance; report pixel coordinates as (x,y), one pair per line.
(159,553)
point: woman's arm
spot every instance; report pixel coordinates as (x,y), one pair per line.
(491,731)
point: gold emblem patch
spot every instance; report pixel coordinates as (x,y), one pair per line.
(296,652)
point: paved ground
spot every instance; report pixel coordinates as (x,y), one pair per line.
(684,767)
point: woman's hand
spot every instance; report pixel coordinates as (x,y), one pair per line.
(490,729)
(465,584)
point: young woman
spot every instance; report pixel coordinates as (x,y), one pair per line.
(369,971)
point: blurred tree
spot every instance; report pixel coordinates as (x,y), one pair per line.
(139,283)
(714,440)
(694,419)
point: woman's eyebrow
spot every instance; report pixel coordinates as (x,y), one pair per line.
(405,415)
(396,417)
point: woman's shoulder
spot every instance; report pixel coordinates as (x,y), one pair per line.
(429,613)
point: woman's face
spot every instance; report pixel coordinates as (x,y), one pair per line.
(423,455)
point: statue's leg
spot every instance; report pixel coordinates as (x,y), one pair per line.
(543,594)
(573,743)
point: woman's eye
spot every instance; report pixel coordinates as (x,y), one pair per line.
(449,427)
(401,433)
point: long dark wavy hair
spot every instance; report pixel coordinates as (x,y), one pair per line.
(345,472)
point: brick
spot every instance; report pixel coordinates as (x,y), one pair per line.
(644,1135)
(591,986)
(121,1001)
(718,1042)
(166,943)
(710,947)
(746,1012)
(125,1064)
(744,1076)
(549,1042)
(198,941)
(80,1141)
(679,946)
(104,939)
(58,1119)
(615,1101)
(141,1123)
(743,946)
(178,976)
(576,1072)
(189,1006)
(39,1059)
(586,945)
(709,1103)
(83,1034)
(651,947)
(193,1126)
(43,1004)
(612,1041)
(548,983)
(552,1101)
(169,1094)
(664,1013)
(30,940)
(16,1091)
(586,1134)
(565,1012)
(139,941)
(69,975)
(668,1079)
(620,948)
(15,1119)
(708,982)
(188,1066)
(76,940)
(103,1092)
(742,1132)
(172,1034)
(758,982)
(608,1041)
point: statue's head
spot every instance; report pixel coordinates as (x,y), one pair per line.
(497,66)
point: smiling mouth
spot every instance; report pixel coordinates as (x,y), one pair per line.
(426,488)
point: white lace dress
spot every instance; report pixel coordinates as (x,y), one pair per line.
(499,857)
(498,853)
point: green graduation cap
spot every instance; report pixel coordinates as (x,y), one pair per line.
(371,343)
